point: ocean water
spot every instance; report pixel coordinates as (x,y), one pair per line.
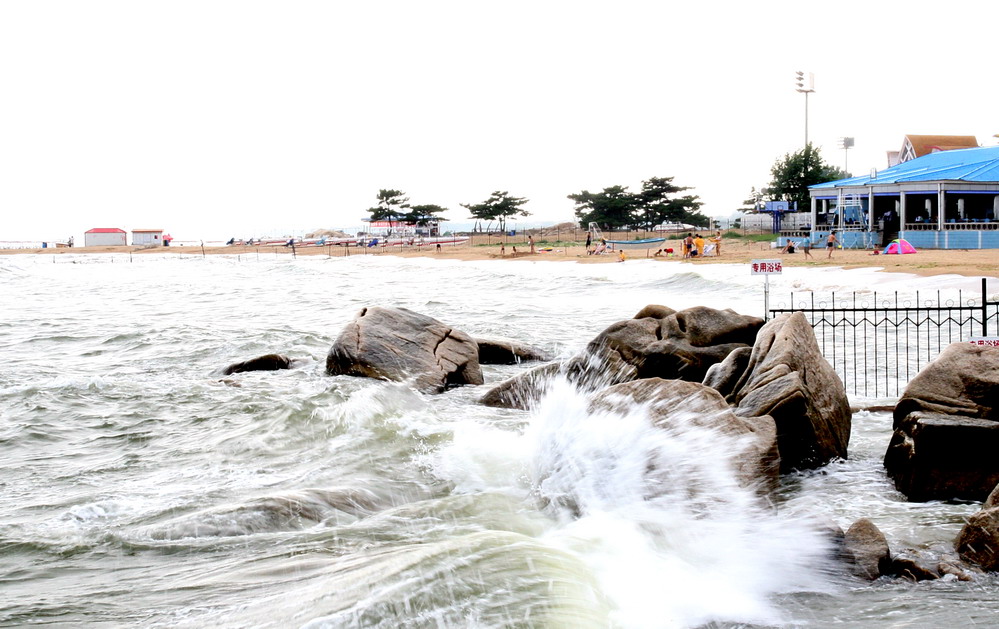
(140,488)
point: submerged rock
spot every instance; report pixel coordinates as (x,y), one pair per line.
(866,550)
(268,362)
(946,427)
(397,344)
(507,352)
(523,390)
(978,541)
(914,568)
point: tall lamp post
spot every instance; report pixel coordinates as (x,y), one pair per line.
(846,144)
(806,89)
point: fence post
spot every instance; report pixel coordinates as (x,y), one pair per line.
(985,312)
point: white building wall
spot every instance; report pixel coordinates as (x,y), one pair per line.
(147,238)
(104,239)
(765,222)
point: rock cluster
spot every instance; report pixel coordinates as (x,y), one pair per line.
(765,384)
(658,342)
(768,381)
(866,554)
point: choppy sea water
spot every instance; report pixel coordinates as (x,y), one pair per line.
(138,487)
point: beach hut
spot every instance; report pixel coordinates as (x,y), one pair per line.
(103,237)
(142,237)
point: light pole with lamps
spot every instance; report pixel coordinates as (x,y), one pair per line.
(806,90)
(846,144)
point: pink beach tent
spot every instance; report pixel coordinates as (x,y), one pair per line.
(899,245)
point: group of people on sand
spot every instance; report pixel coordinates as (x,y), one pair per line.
(600,248)
(694,245)
(806,245)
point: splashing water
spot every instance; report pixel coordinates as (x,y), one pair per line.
(658,518)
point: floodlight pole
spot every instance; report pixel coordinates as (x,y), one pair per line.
(806,90)
(846,144)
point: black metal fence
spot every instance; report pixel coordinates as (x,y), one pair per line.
(877,342)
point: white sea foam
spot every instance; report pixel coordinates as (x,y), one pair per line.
(659,518)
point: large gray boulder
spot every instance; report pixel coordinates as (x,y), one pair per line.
(943,457)
(946,428)
(978,541)
(399,344)
(658,342)
(962,380)
(786,377)
(676,405)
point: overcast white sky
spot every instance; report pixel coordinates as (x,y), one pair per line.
(243,118)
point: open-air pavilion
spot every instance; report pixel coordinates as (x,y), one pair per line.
(944,200)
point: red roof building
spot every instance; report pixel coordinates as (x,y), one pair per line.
(104,237)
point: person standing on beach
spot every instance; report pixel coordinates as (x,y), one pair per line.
(831,243)
(717,241)
(699,244)
(806,246)
(530,241)
(589,241)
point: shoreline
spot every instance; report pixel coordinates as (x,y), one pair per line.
(926,262)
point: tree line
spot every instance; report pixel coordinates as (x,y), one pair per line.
(658,201)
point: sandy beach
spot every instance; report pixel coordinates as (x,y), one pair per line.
(927,262)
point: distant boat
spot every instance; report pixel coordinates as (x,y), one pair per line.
(644,243)
(675,227)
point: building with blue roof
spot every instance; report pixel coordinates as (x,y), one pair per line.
(944,200)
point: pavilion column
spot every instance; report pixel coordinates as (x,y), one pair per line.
(901,211)
(941,206)
(838,224)
(870,209)
(815,213)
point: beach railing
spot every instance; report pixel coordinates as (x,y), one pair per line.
(877,342)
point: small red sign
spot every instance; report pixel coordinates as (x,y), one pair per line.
(766,267)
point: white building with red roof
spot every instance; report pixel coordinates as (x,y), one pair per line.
(104,237)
